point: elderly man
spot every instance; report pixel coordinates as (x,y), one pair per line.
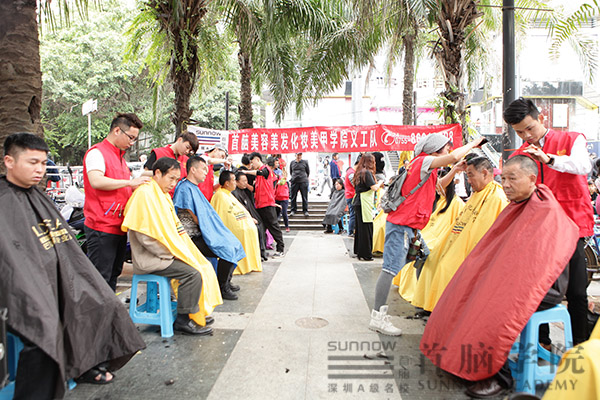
(70,322)
(160,246)
(479,213)
(108,186)
(564,164)
(518,267)
(206,228)
(432,152)
(239,221)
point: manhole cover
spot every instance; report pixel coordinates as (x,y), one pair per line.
(312,322)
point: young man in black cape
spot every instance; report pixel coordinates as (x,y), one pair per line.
(69,320)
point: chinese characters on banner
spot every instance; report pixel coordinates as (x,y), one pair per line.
(340,139)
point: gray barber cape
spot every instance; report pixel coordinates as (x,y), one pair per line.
(55,297)
(335,209)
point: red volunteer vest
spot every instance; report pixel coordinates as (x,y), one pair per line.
(264,192)
(417,208)
(208,186)
(349,190)
(570,190)
(282,192)
(167,151)
(103,209)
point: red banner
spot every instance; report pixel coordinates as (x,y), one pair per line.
(338,139)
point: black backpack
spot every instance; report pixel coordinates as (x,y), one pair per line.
(392,198)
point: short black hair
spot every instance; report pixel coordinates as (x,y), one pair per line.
(340,181)
(164,164)
(245,159)
(225,176)
(126,121)
(19,142)
(480,163)
(193,160)
(519,109)
(191,139)
(271,162)
(255,154)
(525,163)
(238,175)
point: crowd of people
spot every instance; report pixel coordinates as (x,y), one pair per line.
(478,264)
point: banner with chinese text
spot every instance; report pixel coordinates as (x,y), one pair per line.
(340,139)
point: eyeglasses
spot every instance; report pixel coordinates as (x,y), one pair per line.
(132,139)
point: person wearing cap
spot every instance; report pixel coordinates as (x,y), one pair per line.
(431,152)
(299,172)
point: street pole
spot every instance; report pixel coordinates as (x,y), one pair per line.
(227,111)
(89,130)
(509,139)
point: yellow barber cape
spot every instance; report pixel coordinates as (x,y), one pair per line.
(379,232)
(479,213)
(239,221)
(150,211)
(435,232)
(578,374)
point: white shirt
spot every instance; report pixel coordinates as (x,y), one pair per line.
(94,161)
(577,163)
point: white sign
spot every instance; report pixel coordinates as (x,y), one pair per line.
(89,106)
(209,138)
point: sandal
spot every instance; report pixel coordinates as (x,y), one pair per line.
(91,375)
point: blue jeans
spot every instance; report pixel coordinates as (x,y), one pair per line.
(351,217)
(395,249)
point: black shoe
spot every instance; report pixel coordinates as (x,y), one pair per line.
(229,295)
(365,258)
(485,389)
(209,320)
(192,328)
(327,231)
(264,258)
(233,287)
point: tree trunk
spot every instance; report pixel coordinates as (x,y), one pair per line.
(408,117)
(245,107)
(452,21)
(183,77)
(20,73)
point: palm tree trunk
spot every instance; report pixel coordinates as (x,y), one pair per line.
(183,77)
(452,21)
(20,73)
(245,107)
(408,117)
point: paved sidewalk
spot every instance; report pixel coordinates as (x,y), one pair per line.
(298,331)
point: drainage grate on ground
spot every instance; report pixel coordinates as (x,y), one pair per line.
(312,322)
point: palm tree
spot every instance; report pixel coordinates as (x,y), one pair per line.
(179,40)
(20,73)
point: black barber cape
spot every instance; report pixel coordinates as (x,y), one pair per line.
(55,297)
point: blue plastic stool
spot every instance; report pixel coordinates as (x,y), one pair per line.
(14,347)
(214,261)
(345,221)
(336,228)
(158,308)
(525,370)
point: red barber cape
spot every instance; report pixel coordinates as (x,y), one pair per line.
(499,286)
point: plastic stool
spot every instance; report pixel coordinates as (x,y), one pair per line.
(336,228)
(214,261)
(525,369)
(14,347)
(345,221)
(158,308)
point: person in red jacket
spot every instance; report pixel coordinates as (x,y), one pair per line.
(213,157)
(184,146)
(264,195)
(564,164)
(108,186)
(431,153)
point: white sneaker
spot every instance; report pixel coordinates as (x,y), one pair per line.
(277,254)
(380,322)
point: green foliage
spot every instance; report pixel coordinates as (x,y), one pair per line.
(82,62)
